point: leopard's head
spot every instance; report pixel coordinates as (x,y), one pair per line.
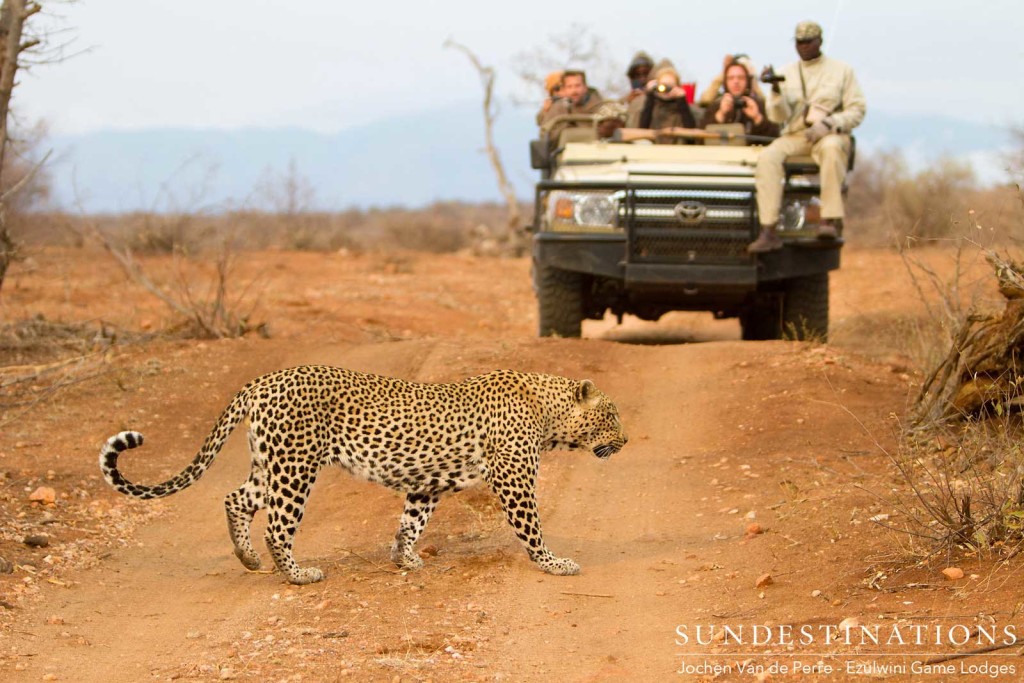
(592,422)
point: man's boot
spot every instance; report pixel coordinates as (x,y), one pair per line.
(768,240)
(830,229)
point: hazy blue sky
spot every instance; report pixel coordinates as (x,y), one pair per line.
(328,65)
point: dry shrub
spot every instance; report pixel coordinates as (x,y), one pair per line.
(440,228)
(961,458)
(39,340)
(889,204)
(149,233)
(982,369)
(40,357)
(966,487)
(206,297)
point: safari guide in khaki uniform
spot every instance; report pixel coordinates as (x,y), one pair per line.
(818,103)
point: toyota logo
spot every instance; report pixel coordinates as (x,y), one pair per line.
(690,212)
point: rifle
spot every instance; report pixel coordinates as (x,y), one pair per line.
(633,134)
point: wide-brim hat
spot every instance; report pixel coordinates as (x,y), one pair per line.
(610,110)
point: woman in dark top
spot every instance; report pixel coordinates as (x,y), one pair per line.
(739,105)
(665,104)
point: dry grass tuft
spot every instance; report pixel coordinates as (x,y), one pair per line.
(966,488)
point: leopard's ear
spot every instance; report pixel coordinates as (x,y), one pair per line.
(586,392)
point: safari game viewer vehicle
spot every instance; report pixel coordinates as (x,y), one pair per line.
(645,229)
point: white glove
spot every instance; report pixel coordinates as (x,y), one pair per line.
(819,130)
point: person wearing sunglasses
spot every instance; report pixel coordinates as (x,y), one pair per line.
(817,101)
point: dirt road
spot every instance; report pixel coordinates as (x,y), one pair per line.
(723,436)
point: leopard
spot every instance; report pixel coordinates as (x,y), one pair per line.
(422,439)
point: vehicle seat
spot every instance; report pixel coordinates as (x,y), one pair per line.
(581,134)
(803,164)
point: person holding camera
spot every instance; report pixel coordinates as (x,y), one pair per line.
(818,101)
(665,104)
(738,104)
(717,85)
(576,98)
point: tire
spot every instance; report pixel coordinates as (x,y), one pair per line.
(559,302)
(805,308)
(761,323)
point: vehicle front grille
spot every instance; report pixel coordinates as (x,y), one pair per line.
(693,225)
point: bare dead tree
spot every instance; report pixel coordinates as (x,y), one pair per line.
(576,47)
(513,234)
(13,15)
(289,193)
(212,314)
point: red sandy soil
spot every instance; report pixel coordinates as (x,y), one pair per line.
(789,436)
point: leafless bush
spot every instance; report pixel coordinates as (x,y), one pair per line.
(576,47)
(966,487)
(208,306)
(961,456)
(40,357)
(39,340)
(438,228)
(888,202)
(163,233)
(981,371)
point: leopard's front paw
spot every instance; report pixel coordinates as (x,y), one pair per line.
(560,566)
(306,575)
(250,560)
(407,560)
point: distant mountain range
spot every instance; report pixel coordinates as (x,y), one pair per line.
(408,161)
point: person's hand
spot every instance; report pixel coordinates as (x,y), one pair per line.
(633,94)
(664,92)
(651,85)
(751,110)
(726,61)
(726,106)
(819,130)
(769,72)
(546,104)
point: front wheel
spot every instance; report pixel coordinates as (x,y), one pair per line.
(805,308)
(559,302)
(761,322)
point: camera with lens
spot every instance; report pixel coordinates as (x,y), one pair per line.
(769,76)
(663,88)
(739,101)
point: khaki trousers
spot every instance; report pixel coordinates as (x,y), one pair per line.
(831,153)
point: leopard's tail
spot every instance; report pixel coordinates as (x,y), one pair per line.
(117,444)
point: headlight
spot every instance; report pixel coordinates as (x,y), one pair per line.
(793,216)
(594,209)
(800,214)
(582,211)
